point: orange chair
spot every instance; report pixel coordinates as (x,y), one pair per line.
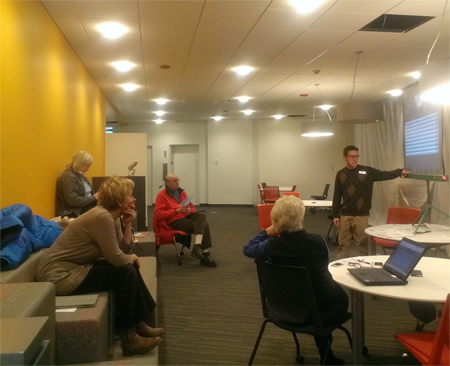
(430,348)
(260,193)
(292,193)
(271,194)
(397,215)
(164,234)
(264,215)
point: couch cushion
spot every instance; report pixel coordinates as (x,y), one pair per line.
(25,272)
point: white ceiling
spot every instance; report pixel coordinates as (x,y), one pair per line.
(203,40)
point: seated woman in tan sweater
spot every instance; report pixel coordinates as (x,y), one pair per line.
(72,264)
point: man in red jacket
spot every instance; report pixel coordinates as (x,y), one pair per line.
(183,217)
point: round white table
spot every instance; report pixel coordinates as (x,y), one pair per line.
(432,287)
(432,234)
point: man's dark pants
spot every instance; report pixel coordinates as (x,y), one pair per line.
(194,223)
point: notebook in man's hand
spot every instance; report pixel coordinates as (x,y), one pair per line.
(76,301)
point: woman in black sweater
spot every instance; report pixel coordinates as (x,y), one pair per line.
(286,242)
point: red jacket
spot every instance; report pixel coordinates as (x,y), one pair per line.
(166,205)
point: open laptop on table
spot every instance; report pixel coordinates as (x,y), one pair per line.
(396,269)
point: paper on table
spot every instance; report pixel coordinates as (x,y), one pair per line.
(67,310)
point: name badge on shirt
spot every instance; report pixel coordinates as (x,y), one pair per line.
(362,172)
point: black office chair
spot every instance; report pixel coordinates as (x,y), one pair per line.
(288,301)
(424,312)
(324,195)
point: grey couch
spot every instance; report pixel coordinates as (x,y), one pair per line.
(83,336)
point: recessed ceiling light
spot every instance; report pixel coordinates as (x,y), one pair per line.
(395,92)
(317,134)
(160,113)
(415,74)
(243,70)
(278,116)
(325,107)
(112,30)
(243,99)
(109,128)
(129,87)
(217,118)
(123,65)
(161,101)
(159,121)
(306,6)
(247,112)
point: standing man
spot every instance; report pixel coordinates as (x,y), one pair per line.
(354,186)
(184,218)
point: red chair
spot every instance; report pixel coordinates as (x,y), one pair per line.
(430,348)
(292,193)
(271,194)
(164,234)
(397,215)
(264,215)
(260,193)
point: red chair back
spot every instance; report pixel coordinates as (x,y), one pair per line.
(402,215)
(264,215)
(442,337)
(431,348)
(271,193)
(164,233)
(293,188)
(292,193)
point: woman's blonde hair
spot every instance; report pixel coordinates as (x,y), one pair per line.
(113,192)
(287,214)
(79,159)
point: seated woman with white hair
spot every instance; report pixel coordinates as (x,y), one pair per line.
(286,242)
(74,193)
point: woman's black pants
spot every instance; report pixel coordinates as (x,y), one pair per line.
(133,302)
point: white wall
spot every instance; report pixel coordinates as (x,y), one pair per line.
(121,149)
(248,152)
(230,156)
(160,137)
(287,159)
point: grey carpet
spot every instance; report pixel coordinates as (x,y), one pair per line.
(212,316)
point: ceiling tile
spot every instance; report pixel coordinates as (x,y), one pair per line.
(343,21)
(59,8)
(107,10)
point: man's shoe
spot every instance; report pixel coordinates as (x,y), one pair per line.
(196,251)
(207,260)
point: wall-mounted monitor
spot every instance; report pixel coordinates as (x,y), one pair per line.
(423,134)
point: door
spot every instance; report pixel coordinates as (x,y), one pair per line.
(149,176)
(185,164)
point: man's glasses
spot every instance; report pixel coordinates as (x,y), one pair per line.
(353,156)
(358,263)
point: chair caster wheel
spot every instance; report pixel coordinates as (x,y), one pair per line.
(365,351)
(299,360)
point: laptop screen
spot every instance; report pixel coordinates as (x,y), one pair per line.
(404,258)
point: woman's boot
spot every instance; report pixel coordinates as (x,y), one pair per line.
(145,331)
(134,344)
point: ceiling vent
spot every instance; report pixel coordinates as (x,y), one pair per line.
(297,116)
(111,121)
(395,23)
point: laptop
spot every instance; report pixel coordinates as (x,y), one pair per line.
(76,301)
(396,269)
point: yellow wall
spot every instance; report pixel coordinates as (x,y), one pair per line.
(50,108)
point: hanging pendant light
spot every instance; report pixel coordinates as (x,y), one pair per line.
(359,112)
(318,128)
